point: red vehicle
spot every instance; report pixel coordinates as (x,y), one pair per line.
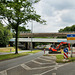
(60,46)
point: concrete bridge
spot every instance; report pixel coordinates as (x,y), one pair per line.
(64,34)
(27,43)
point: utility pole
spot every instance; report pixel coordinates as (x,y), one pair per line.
(71,50)
(31,35)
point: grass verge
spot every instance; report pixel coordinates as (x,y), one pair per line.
(60,59)
(7,49)
(10,56)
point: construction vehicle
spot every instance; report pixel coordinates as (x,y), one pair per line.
(62,45)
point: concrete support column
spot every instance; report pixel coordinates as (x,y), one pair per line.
(26,46)
(33,45)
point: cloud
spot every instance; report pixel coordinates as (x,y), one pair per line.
(57,13)
(60,4)
(69,17)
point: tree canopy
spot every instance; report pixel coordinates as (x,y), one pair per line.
(68,29)
(5,35)
(23,29)
(19,12)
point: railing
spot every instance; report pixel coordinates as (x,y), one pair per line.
(49,32)
(67,32)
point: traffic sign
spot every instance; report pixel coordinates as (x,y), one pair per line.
(70,35)
(65,50)
(66,53)
(71,38)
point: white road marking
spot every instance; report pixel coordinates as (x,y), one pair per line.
(17,65)
(53,69)
(53,73)
(56,66)
(47,71)
(51,57)
(3,72)
(36,74)
(42,67)
(25,67)
(36,62)
(45,59)
(41,63)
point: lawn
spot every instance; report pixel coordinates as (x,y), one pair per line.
(9,56)
(60,58)
(8,49)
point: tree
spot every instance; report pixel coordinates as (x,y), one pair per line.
(68,29)
(5,36)
(23,29)
(19,12)
(73,28)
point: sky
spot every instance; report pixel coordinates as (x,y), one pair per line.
(57,13)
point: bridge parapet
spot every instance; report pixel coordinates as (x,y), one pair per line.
(44,34)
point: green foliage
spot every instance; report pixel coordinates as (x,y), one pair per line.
(66,29)
(60,58)
(19,12)
(5,35)
(23,29)
(10,56)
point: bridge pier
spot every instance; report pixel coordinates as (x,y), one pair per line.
(28,45)
(33,45)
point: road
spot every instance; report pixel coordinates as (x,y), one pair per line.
(67,69)
(13,62)
(36,64)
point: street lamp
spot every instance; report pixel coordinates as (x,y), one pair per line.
(31,35)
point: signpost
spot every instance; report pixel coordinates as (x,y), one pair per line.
(71,39)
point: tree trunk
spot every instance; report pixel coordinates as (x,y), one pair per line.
(16,41)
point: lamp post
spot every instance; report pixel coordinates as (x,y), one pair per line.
(31,35)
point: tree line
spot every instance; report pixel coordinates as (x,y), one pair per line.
(68,29)
(5,35)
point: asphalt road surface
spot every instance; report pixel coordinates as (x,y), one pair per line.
(36,64)
(13,62)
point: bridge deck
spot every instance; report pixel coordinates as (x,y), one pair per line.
(44,34)
(39,40)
